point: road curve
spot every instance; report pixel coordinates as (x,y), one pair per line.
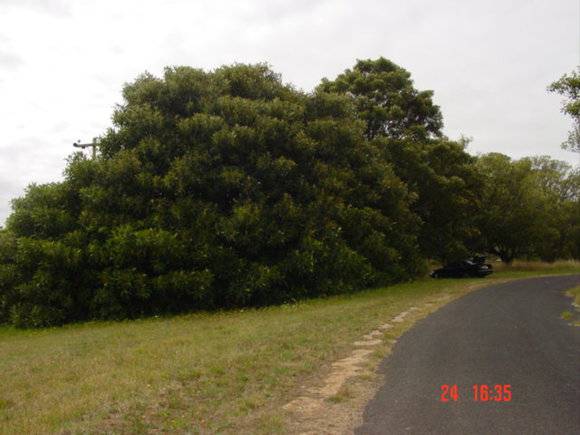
(504,334)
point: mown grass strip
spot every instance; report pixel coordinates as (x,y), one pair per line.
(206,372)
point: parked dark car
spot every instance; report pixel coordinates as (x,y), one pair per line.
(475,266)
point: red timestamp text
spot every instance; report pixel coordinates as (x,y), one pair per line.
(478,393)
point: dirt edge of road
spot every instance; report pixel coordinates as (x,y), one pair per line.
(334,402)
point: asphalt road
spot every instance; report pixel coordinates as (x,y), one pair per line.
(506,334)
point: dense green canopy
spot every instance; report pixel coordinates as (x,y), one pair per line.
(529,208)
(406,125)
(230,188)
(212,190)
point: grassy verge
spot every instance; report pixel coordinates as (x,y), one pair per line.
(221,372)
(573,315)
(575,295)
(518,268)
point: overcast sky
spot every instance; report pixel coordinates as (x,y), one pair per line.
(63,63)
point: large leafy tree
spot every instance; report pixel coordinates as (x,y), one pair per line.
(557,178)
(387,100)
(212,189)
(448,189)
(559,183)
(515,211)
(569,87)
(406,125)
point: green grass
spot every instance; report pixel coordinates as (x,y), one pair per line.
(575,295)
(567,315)
(208,372)
(523,267)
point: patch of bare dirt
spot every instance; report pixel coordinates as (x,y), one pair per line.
(336,404)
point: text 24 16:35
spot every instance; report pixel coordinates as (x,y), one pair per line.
(478,393)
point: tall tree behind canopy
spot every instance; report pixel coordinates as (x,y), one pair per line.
(406,124)
(386,99)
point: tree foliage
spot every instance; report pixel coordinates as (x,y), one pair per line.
(569,87)
(231,188)
(529,208)
(386,99)
(406,125)
(218,189)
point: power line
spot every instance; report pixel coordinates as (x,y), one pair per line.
(86,145)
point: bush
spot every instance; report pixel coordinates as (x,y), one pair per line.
(212,190)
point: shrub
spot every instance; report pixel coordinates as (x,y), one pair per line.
(218,189)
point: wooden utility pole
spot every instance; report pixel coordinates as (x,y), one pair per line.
(86,145)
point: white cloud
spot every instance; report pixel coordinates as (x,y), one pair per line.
(10,60)
(63,64)
(56,7)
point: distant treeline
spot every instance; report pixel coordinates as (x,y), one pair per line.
(230,188)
